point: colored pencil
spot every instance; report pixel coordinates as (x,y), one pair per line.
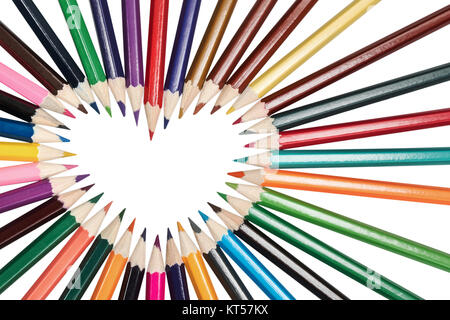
(173,87)
(196,267)
(40,215)
(34,64)
(242,77)
(110,51)
(156,275)
(320,250)
(175,271)
(31,91)
(28,132)
(36,191)
(30,152)
(207,51)
(354,130)
(31,172)
(86,51)
(353,100)
(278,255)
(114,267)
(284,179)
(27,111)
(220,265)
(156,62)
(59,54)
(342,158)
(303,52)
(348,65)
(70,253)
(234,51)
(44,243)
(93,260)
(344,225)
(247,261)
(134,272)
(134,63)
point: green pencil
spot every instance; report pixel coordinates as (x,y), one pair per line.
(93,260)
(344,225)
(43,244)
(320,250)
(86,50)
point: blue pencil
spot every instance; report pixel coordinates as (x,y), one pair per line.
(110,51)
(179,60)
(247,261)
(28,132)
(175,271)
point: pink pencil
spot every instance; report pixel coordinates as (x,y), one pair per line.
(156,276)
(31,91)
(31,172)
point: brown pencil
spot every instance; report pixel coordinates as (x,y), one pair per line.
(207,50)
(263,52)
(45,74)
(234,51)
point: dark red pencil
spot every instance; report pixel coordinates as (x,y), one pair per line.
(354,130)
(348,65)
(156,57)
(234,51)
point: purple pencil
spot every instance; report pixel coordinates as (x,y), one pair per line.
(134,63)
(37,191)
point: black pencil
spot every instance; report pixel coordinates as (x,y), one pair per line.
(352,100)
(220,265)
(278,256)
(68,67)
(134,273)
(27,111)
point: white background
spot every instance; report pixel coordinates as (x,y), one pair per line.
(172,177)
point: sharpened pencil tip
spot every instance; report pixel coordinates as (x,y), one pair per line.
(81,177)
(144,234)
(97,198)
(231,110)
(108,110)
(131,227)
(250,145)
(108,206)
(239,120)
(95,107)
(198,108)
(194,227)
(204,216)
(61,126)
(82,108)
(233,186)
(180,114)
(87,188)
(69,114)
(215,208)
(63,139)
(136,116)
(180,227)
(122,108)
(151,134)
(121,214)
(166,122)
(169,234)
(237,174)
(223,196)
(157,243)
(68,154)
(241,160)
(215,109)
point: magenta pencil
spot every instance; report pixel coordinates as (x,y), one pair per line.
(37,191)
(31,172)
(31,91)
(156,276)
(134,64)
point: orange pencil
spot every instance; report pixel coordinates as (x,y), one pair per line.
(114,267)
(344,185)
(66,257)
(196,268)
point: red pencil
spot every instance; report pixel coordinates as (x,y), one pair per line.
(156,56)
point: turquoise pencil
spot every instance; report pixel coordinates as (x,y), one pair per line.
(247,261)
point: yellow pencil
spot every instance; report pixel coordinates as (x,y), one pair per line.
(298,56)
(30,152)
